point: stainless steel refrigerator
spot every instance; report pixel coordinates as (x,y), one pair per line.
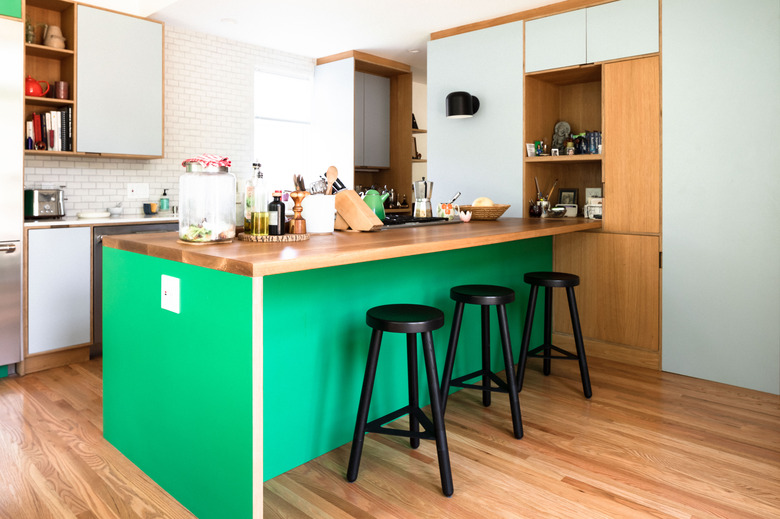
(11,189)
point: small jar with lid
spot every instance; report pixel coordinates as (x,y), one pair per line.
(207,200)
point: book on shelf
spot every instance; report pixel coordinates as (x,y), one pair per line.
(52,131)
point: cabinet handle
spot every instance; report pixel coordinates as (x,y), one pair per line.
(8,248)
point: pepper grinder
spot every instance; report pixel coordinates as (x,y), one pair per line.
(298,224)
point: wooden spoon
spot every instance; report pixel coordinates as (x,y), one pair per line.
(331,175)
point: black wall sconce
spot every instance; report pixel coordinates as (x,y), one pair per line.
(461,104)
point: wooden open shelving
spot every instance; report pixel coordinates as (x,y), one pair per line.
(572,95)
(49,64)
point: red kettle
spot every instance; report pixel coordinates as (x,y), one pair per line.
(33,88)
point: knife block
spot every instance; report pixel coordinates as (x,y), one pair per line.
(353,213)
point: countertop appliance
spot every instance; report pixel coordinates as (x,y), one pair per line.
(11,166)
(97,270)
(44,203)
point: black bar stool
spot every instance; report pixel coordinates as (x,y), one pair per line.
(550,280)
(485,296)
(411,320)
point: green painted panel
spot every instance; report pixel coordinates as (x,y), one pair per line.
(12,8)
(3,371)
(177,388)
(316,339)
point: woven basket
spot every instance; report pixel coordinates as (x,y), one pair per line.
(491,212)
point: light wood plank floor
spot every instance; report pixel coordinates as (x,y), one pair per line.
(647,445)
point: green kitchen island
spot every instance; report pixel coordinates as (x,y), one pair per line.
(261,368)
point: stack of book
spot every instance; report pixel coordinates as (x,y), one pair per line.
(52,131)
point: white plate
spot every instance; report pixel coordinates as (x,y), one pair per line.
(101,214)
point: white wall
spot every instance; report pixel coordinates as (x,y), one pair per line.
(208,109)
(483,155)
(721,168)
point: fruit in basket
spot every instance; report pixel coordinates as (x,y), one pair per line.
(483,201)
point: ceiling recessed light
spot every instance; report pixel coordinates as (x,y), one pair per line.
(229,20)
(414,51)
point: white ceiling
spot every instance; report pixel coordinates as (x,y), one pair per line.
(317,28)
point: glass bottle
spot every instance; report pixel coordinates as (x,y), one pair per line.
(256,204)
(276,215)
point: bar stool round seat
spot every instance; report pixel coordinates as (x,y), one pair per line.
(411,320)
(550,280)
(404,318)
(484,296)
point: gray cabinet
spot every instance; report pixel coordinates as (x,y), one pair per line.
(120,88)
(59,277)
(605,32)
(621,29)
(372,120)
(555,41)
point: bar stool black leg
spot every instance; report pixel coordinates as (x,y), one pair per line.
(575,322)
(438,415)
(486,355)
(514,404)
(450,358)
(548,301)
(414,403)
(529,319)
(365,402)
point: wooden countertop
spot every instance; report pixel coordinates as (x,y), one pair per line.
(343,248)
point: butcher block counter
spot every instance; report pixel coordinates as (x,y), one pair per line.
(343,248)
(227,365)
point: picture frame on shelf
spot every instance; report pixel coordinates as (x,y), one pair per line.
(592,192)
(567,196)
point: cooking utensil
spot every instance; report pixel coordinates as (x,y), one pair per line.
(538,191)
(331,175)
(552,188)
(454,198)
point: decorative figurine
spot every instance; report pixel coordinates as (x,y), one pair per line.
(561,134)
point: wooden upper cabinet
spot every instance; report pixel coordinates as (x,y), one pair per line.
(632,144)
(120,89)
(620,29)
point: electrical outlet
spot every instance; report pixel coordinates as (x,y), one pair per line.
(138,191)
(169,294)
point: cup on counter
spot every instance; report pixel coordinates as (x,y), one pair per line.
(150,208)
(319,211)
(449,211)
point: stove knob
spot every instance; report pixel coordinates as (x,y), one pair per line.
(46,207)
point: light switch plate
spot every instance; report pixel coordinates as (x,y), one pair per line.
(170,299)
(139,191)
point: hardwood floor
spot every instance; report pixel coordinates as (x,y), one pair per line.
(646,445)
(54,462)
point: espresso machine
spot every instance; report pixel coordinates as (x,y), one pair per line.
(422,198)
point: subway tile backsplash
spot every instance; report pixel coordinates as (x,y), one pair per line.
(208,109)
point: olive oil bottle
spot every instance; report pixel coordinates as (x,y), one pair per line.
(256,204)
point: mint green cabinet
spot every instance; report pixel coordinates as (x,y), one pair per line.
(12,8)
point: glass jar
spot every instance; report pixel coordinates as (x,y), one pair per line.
(207,204)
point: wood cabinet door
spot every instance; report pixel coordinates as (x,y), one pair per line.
(622,29)
(120,86)
(618,295)
(555,41)
(632,146)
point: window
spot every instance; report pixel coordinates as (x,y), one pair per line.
(283,106)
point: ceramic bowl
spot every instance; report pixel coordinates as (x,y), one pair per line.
(115,211)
